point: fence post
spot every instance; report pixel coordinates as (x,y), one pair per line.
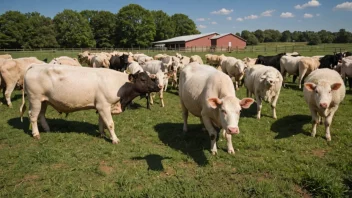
(276,48)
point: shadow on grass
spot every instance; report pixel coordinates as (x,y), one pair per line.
(173,91)
(14,97)
(154,161)
(191,144)
(292,87)
(290,125)
(59,126)
(251,112)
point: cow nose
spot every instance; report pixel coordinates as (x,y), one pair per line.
(160,86)
(324,105)
(233,130)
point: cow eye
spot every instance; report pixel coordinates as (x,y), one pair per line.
(223,111)
(316,91)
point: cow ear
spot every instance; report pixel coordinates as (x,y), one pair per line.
(246,102)
(310,86)
(214,102)
(262,77)
(132,78)
(335,86)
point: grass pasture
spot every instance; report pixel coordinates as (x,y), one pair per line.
(274,158)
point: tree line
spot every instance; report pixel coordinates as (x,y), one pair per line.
(131,26)
(311,37)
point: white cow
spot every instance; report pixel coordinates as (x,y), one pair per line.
(234,68)
(209,94)
(70,89)
(323,91)
(265,83)
(289,64)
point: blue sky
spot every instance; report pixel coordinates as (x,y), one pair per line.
(220,16)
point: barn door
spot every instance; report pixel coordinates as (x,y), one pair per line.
(230,44)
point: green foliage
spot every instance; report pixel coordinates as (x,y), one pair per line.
(134,26)
(286,36)
(165,27)
(326,36)
(245,34)
(103,25)
(184,25)
(12,29)
(322,182)
(343,36)
(40,32)
(260,35)
(252,40)
(73,30)
(89,14)
(314,39)
(272,35)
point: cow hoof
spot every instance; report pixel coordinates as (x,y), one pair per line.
(275,117)
(258,117)
(10,106)
(231,151)
(328,139)
(116,141)
(214,152)
(37,137)
(313,135)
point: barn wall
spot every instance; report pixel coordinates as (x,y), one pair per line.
(201,42)
(235,42)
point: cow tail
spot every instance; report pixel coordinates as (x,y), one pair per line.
(23,105)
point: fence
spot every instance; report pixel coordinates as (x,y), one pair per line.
(249,49)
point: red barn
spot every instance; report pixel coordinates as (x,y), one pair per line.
(228,40)
(203,40)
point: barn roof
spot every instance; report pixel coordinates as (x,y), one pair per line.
(185,38)
(221,35)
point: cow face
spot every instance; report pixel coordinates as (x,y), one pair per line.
(229,109)
(143,83)
(322,92)
(270,78)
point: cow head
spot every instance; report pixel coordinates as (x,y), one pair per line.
(229,109)
(143,83)
(322,92)
(260,60)
(270,78)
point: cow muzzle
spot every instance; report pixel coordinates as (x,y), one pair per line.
(233,130)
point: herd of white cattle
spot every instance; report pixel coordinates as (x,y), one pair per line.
(207,92)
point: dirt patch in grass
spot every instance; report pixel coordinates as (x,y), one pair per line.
(302,192)
(319,152)
(2,146)
(103,167)
(58,166)
(168,171)
(264,177)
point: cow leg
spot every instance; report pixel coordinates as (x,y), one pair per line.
(148,100)
(273,104)
(302,73)
(201,121)
(161,96)
(294,78)
(101,127)
(230,149)
(34,111)
(315,121)
(42,118)
(328,121)
(109,123)
(350,82)
(151,98)
(185,117)
(283,73)
(259,106)
(212,133)
(9,89)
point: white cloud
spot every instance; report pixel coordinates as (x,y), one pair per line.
(251,17)
(312,3)
(208,19)
(318,15)
(213,23)
(229,18)
(267,13)
(307,16)
(344,6)
(222,11)
(202,26)
(287,15)
(239,19)
(200,19)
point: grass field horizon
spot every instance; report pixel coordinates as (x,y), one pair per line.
(274,158)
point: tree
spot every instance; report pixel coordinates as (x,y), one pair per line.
(103,24)
(245,34)
(314,39)
(73,30)
(238,34)
(134,26)
(165,27)
(326,36)
(295,36)
(40,32)
(12,29)
(343,36)
(272,35)
(89,14)
(184,25)
(252,40)
(286,36)
(260,35)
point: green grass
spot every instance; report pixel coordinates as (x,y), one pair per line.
(274,158)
